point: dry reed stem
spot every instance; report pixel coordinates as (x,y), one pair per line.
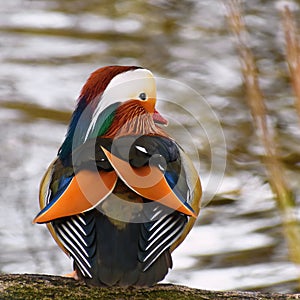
(292,52)
(275,171)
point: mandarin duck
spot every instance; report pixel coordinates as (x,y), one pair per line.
(121,194)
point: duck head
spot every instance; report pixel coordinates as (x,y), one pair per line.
(115,101)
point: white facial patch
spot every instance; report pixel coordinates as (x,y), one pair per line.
(123,87)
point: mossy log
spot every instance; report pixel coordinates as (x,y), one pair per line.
(27,286)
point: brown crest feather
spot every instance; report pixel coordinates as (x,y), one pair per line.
(99,80)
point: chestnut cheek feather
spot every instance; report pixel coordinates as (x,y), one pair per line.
(132,118)
(149,106)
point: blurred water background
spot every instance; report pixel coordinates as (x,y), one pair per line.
(47,50)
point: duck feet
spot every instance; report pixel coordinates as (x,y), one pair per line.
(72,275)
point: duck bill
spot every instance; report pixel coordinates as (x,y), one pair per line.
(158,118)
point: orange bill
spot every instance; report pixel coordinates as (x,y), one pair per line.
(149,182)
(85,191)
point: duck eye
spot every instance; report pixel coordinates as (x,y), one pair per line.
(143,96)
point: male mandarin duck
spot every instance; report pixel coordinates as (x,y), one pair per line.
(121,194)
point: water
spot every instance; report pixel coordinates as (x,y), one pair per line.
(48,49)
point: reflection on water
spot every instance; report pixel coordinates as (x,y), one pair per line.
(47,50)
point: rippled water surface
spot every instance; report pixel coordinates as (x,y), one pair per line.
(48,49)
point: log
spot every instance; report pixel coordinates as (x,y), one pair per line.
(33,286)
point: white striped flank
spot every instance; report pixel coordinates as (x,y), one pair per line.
(81,220)
(83,269)
(81,265)
(167,242)
(71,235)
(157,223)
(78,226)
(161,233)
(77,233)
(160,227)
(156,215)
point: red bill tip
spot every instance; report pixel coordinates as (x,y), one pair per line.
(158,118)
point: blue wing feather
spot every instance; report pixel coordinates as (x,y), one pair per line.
(63,184)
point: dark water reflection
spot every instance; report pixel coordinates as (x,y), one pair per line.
(47,50)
